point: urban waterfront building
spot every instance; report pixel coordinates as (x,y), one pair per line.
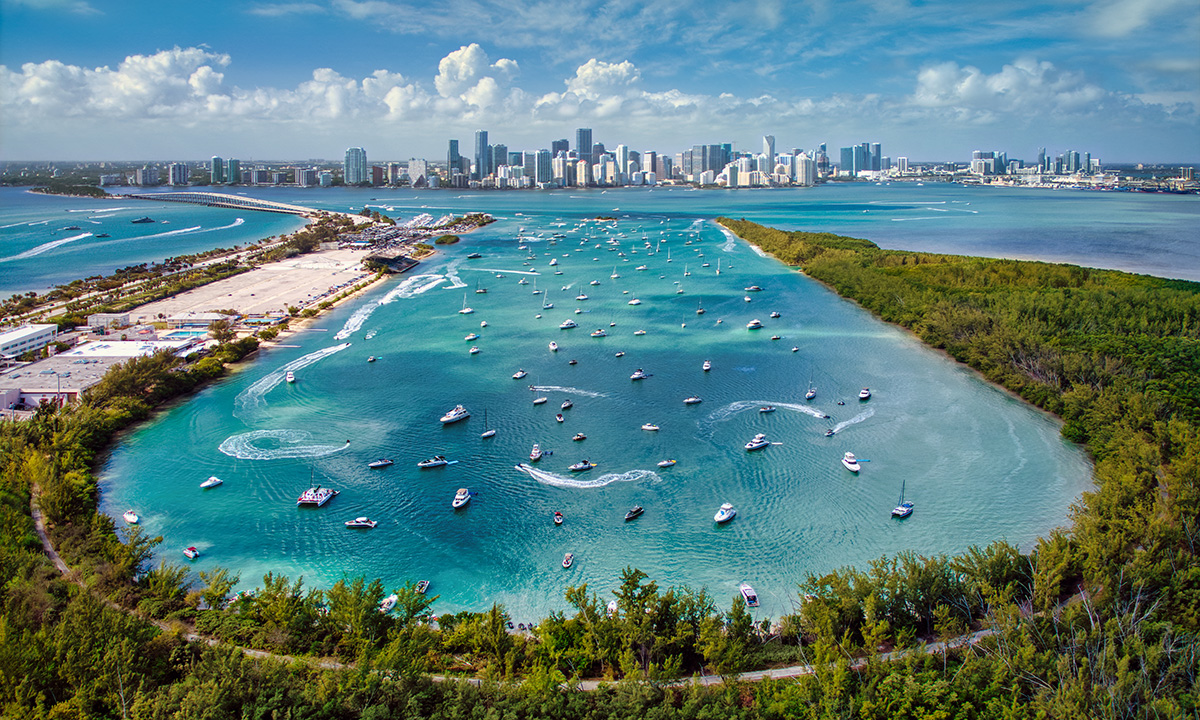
(177,174)
(233,171)
(483,153)
(354,167)
(560,146)
(216,170)
(583,144)
(418,172)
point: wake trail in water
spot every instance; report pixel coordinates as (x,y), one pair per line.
(101,210)
(410,287)
(565,481)
(854,420)
(169,233)
(45,247)
(253,398)
(568,390)
(929,217)
(508,272)
(452,275)
(732,409)
(5,227)
(250,446)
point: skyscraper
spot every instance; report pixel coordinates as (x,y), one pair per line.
(544,170)
(876,157)
(482,154)
(178,174)
(499,156)
(233,173)
(583,144)
(769,151)
(557,146)
(216,170)
(354,167)
(453,159)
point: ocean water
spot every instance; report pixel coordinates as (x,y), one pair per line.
(979,464)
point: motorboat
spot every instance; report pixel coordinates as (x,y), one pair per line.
(641,267)
(474,350)
(553,346)
(422,586)
(774,314)
(371,359)
(568,560)
(776,337)
(581,296)
(389,602)
(693,400)
(316,496)
(599,333)
(102,235)
(572,361)
(619,353)
(748,595)
(767,409)
(558,517)
(458,413)
(707,365)
(522,281)
(361,522)
(903,508)
(141,220)
(519,374)
(634,511)
(612,608)
(754,324)
(758,442)
(191,553)
(638,374)
(211,482)
(754,288)
(639,332)
(558,417)
(851,462)
(536,453)
(553,262)
(474,256)
(579,436)
(567,404)
(829,432)
(666,463)
(634,301)
(864,394)
(130,517)
(290,377)
(540,400)
(725,513)
(567,324)
(435,461)
(747,298)
(650,427)
(581,466)
(483,323)
(462,497)
(376,464)
(594,282)
(795,349)
(472,336)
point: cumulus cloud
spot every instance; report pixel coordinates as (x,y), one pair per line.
(1121,18)
(1025,87)
(595,79)
(469,74)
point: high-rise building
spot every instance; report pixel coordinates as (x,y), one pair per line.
(876,157)
(233,171)
(178,173)
(597,151)
(306,177)
(529,164)
(499,156)
(544,171)
(418,172)
(560,146)
(216,170)
(325,178)
(453,159)
(483,153)
(354,167)
(902,164)
(769,150)
(515,159)
(806,170)
(147,175)
(378,175)
(583,144)
(622,160)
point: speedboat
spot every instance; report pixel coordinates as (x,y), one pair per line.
(536,453)
(472,336)
(758,442)
(767,409)
(581,296)
(634,301)
(380,463)
(540,400)
(612,608)
(567,404)
(361,522)
(748,595)
(851,462)
(553,346)
(599,333)
(422,586)
(191,552)
(725,513)
(579,436)
(693,400)
(290,377)
(754,324)
(641,267)
(458,413)
(462,497)
(753,288)
(639,332)
(594,282)
(634,511)
(474,256)
(665,463)
(795,349)
(707,365)
(474,350)
(130,517)
(567,324)
(776,337)
(558,417)
(558,517)
(483,323)
(651,427)
(371,359)
(864,394)
(389,602)
(581,466)
(620,353)
(141,220)
(519,374)
(572,362)
(774,314)
(435,461)
(316,495)
(747,298)
(212,481)
(638,374)
(828,432)
(568,560)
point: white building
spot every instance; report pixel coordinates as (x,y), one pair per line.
(23,339)
(178,174)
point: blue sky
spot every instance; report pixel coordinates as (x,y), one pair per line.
(933,80)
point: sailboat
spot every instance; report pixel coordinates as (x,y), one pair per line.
(685,270)
(718,266)
(465,310)
(479,290)
(614,275)
(700,307)
(668,254)
(904,508)
(487,432)
(812,391)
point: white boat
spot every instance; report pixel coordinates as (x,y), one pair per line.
(774,314)
(747,298)
(851,462)
(558,517)
(290,377)
(634,301)
(380,463)
(639,332)
(462,497)
(725,513)
(581,466)
(483,323)
(465,310)
(612,608)
(693,400)
(519,374)
(536,453)
(212,481)
(665,463)
(776,337)
(458,413)
(753,288)
(579,437)
(522,281)
(553,262)
(638,374)
(540,400)
(650,426)
(559,417)
(758,442)
(361,522)
(811,393)
(903,508)
(567,404)
(767,409)
(568,560)
(474,350)
(599,333)
(553,346)
(864,394)
(487,432)
(567,324)
(754,324)
(316,495)
(435,461)
(422,586)
(581,296)
(614,275)
(191,553)
(748,595)
(594,282)
(707,365)
(371,359)
(389,602)
(619,353)
(471,336)
(130,517)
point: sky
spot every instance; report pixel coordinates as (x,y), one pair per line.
(929,79)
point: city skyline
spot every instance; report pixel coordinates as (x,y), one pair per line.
(297,80)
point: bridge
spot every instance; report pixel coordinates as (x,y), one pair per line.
(237,202)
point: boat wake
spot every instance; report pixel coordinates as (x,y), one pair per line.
(854,420)
(410,287)
(507,272)
(452,275)
(564,481)
(253,397)
(97,211)
(45,247)
(568,390)
(275,445)
(732,409)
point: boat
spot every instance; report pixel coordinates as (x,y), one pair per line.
(458,413)
(828,432)
(754,288)
(361,522)
(634,511)
(754,324)
(422,586)
(130,517)
(725,513)
(864,394)
(903,508)
(639,332)
(581,296)
(371,359)
(435,461)
(638,374)
(614,275)
(553,262)
(666,463)
(102,235)
(572,362)
(693,400)
(191,552)
(620,353)
(767,409)
(487,432)
(141,221)
(474,256)
(316,495)
(707,365)
(471,336)
(290,377)
(465,310)
(599,333)
(558,517)
(774,314)
(462,497)
(536,453)
(211,482)
(474,350)
(522,281)
(634,301)
(748,595)
(553,346)
(568,560)
(581,466)
(776,337)
(558,417)
(376,464)
(519,374)
(389,602)
(567,324)
(567,404)
(758,442)
(651,427)
(579,436)
(540,400)
(851,462)
(483,323)
(594,282)
(641,267)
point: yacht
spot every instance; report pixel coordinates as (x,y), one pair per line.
(599,333)
(851,462)
(581,466)
(707,365)
(558,517)
(634,301)
(693,400)
(650,427)
(290,377)
(579,436)
(361,522)
(422,586)
(389,602)
(594,282)
(519,374)
(725,513)
(474,350)
(747,298)
(776,337)
(620,353)
(462,497)
(748,595)
(102,235)
(666,463)
(553,346)
(641,267)
(759,442)
(634,511)
(754,324)
(316,495)
(458,413)
(767,409)
(371,359)
(380,463)
(904,508)
(864,394)
(567,404)
(638,374)
(472,336)
(540,400)
(753,288)
(536,453)
(212,481)
(522,281)
(191,552)
(141,220)
(639,332)
(435,461)
(581,296)
(483,323)
(568,560)
(774,314)
(795,349)
(572,362)
(130,517)
(474,256)
(558,417)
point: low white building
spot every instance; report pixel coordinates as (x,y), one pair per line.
(108,321)
(23,339)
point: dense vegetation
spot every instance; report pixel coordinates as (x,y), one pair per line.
(1098,622)
(62,188)
(446,239)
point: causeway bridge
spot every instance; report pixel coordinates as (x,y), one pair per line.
(237,202)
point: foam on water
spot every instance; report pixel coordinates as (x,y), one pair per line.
(507,272)
(735,408)
(100,210)
(854,420)
(566,481)
(452,275)
(45,247)
(250,446)
(170,233)
(410,287)
(253,397)
(568,390)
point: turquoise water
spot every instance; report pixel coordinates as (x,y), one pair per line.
(978,464)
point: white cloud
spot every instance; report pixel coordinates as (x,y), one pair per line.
(1121,18)
(595,79)
(1024,88)
(285,9)
(469,72)
(79,7)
